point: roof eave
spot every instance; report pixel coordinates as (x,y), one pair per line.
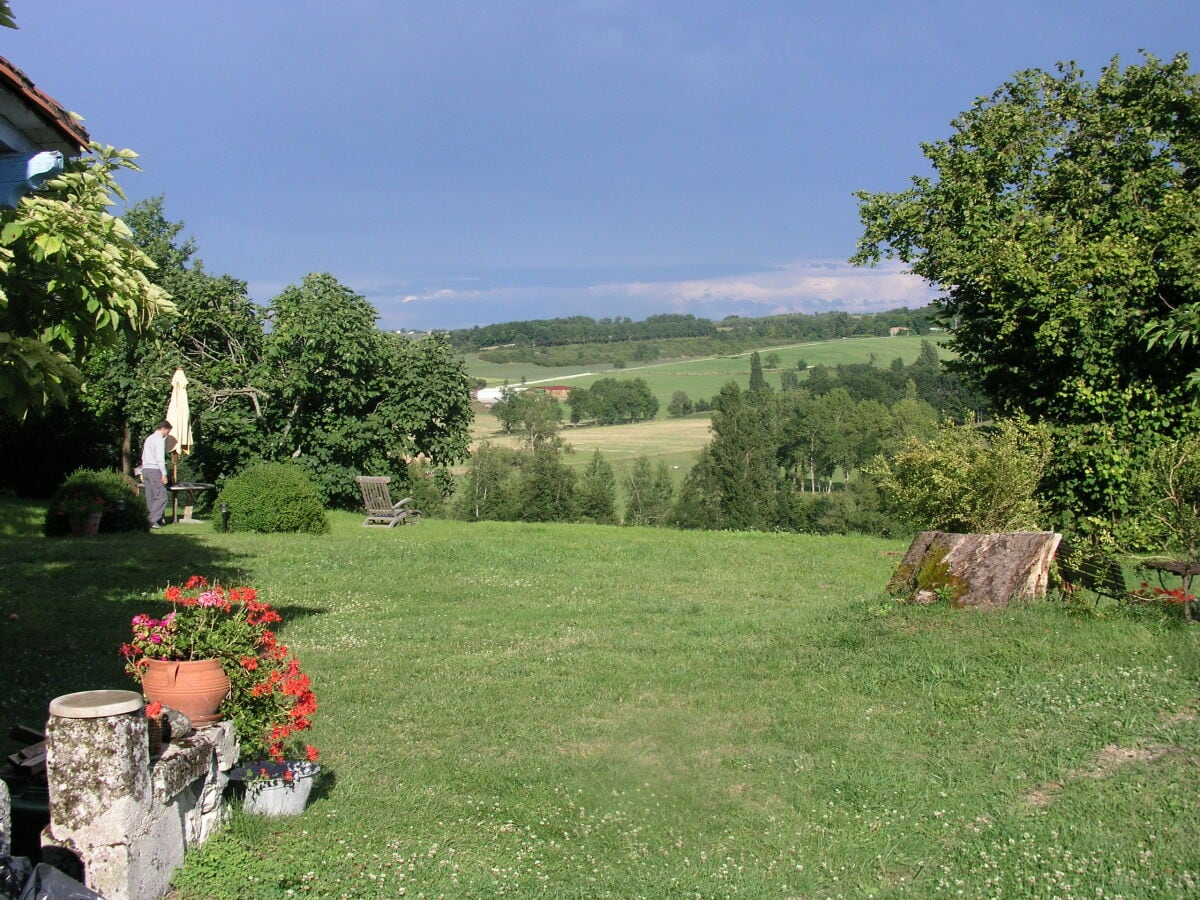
(37,116)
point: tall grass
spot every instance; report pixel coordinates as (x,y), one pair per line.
(556,710)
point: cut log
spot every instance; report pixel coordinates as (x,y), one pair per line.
(983,570)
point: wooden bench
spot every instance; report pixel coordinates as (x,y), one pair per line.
(1092,569)
(377,500)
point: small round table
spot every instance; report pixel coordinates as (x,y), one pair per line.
(191,489)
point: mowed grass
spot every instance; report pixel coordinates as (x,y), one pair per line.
(582,711)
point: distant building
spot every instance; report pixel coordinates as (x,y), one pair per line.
(557,391)
(489,397)
(898,329)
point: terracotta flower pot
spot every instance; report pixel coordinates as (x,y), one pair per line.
(194,687)
(85,526)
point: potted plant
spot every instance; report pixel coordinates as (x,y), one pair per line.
(83,511)
(276,788)
(265,694)
(124,509)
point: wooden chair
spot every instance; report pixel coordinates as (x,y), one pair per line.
(381,511)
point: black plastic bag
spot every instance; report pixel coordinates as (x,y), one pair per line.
(15,873)
(20,880)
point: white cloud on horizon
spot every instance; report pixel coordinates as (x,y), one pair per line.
(802,287)
(793,288)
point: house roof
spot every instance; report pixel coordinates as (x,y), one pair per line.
(33,119)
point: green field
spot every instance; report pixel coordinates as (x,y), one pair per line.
(703,378)
(588,711)
(674,441)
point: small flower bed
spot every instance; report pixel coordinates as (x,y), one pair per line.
(271,700)
(1175,600)
(1169,596)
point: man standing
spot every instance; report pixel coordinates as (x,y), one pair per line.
(154,472)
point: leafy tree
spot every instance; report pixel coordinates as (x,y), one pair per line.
(489,489)
(757,380)
(547,486)
(649,491)
(426,400)
(800,439)
(966,480)
(72,281)
(596,495)
(698,503)
(1062,225)
(507,412)
(680,405)
(907,418)
(216,337)
(838,442)
(532,412)
(612,400)
(741,460)
(345,398)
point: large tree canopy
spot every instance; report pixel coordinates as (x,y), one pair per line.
(322,386)
(216,337)
(1063,224)
(345,398)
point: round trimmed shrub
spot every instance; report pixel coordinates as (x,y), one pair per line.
(124,508)
(271,497)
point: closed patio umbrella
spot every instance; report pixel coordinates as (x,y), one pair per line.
(178,414)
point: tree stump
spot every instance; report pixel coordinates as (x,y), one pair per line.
(982,570)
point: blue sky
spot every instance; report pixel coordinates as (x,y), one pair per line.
(462,163)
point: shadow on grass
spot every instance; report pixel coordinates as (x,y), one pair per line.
(66,603)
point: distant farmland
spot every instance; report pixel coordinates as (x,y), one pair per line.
(675,441)
(704,377)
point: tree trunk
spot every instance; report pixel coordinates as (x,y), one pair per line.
(983,570)
(126,449)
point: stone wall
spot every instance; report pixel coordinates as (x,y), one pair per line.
(120,821)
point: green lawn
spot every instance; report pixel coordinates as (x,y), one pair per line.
(583,711)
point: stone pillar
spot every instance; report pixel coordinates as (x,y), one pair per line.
(5,820)
(126,822)
(98,768)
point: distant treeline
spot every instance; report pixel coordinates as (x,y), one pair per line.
(580,340)
(926,379)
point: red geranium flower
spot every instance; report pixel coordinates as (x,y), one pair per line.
(271,699)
